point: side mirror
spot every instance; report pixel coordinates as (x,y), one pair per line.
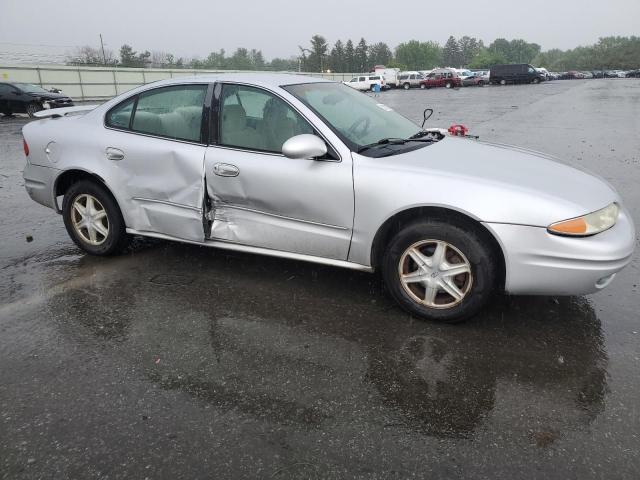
(305,146)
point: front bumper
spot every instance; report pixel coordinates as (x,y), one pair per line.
(58,104)
(539,263)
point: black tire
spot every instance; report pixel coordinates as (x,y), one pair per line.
(448,85)
(423,86)
(470,242)
(406,86)
(32,108)
(116,239)
(481,83)
(503,82)
(535,81)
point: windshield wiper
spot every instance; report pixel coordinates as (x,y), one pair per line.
(393,141)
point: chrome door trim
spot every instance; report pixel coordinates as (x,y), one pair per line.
(165,202)
(246,209)
(238,247)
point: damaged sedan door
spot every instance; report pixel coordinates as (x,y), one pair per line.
(260,198)
(155,147)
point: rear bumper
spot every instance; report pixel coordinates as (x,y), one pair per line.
(539,263)
(38,181)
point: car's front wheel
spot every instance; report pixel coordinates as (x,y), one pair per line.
(32,108)
(406,86)
(448,85)
(439,270)
(93,220)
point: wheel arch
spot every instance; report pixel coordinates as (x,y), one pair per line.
(399,219)
(71,176)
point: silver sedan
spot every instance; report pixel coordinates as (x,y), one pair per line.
(312,170)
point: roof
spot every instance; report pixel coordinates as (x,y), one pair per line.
(257,78)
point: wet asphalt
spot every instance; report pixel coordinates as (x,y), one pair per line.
(176,361)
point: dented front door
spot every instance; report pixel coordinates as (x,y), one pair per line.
(270,201)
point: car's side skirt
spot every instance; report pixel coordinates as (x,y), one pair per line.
(237,247)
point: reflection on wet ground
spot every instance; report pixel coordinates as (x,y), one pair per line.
(281,336)
(176,361)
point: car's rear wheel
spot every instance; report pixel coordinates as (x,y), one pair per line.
(406,86)
(503,82)
(32,108)
(535,81)
(423,86)
(93,220)
(448,85)
(439,270)
(481,83)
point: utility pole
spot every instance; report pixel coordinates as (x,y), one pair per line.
(104,57)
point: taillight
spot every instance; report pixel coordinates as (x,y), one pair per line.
(26,147)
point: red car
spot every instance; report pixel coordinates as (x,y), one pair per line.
(442,77)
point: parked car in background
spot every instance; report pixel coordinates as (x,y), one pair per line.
(574,75)
(442,77)
(367,82)
(409,80)
(210,159)
(474,79)
(544,72)
(633,73)
(515,73)
(597,73)
(16,97)
(389,75)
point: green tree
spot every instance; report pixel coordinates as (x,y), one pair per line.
(240,60)
(284,65)
(349,57)
(469,48)
(216,59)
(486,58)
(361,56)
(380,54)
(452,53)
(415,55)
(316,59)
(128,56)
(336,57)
(257,60)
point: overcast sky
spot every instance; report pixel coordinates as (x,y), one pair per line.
(196,27)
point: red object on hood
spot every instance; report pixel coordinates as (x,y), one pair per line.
(458,130)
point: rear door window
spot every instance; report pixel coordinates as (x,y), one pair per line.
(120,116)
(172,112)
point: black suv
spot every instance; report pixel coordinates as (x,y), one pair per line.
(28,98)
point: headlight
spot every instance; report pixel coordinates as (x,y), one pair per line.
(589,224)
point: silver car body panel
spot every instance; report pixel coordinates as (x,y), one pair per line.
(330,211)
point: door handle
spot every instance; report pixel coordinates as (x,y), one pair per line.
(226,170)
(114,153)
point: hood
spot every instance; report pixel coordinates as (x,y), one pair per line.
(498,183)
(48,95)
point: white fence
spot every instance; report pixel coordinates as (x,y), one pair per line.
(99,83)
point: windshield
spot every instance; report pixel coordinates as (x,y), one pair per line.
(30,88)
(355,117)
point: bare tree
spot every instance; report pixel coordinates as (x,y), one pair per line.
(88,55)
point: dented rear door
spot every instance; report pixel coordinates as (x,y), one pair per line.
(155,150)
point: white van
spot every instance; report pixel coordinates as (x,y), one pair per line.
(366,82)
(390,75)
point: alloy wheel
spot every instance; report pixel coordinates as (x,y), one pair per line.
(90,219)
(435,274)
